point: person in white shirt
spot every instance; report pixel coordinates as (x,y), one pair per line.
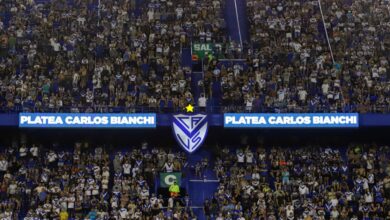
(249,103)
(34,151)
(23,151)
(106,173)
(170,202)
(81,20)
(325,88)
(124,213)
(126,168)
(144,194)
(202,100)
(248,189)
(220,217)
(114,202)
(281,95)
(64,202)
(368,198)
(256,173)
(303,190)
(105,182)
(168,166)
(290,212)
(3,166)
(349,196)
(56,46)
(365,184)
(240,157)
(179,12)
(12,188)
(52,157)
(88,190)
(249,157)
(95,189)
(334,201)
(135,171)
(150,15)
(302,95)
(334,214)
(71,200)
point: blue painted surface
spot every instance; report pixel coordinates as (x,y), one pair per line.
(196,91)
(11,119)
(201,190)
(243,19)
(374,120)
(231,20)
(186,57)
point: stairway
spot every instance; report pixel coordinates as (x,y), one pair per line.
(200,189)
(196,91)
(236,20)
(186,61)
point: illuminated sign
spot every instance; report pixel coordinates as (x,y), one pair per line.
(93,120)
(292,120)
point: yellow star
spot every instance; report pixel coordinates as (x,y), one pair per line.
(190,108)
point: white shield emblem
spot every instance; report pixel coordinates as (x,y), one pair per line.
(190,130)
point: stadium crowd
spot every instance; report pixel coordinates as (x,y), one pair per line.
(302,183)
(91,55)
(86,182)
(122,56)
(102,182)
(290,66)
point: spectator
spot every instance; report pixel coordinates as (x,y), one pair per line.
(174,189)
(303,183)
(202,102)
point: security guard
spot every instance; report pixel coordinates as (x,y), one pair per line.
(174,190)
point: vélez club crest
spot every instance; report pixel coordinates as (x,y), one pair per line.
(190,130)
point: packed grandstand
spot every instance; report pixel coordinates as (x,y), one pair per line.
(130,56)
(44,182)
(139,56)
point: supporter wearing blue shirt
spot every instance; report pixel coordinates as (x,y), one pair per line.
(92,215)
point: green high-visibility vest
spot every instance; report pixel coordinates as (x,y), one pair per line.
(174,188)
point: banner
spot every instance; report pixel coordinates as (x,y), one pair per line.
(167,179)
(309,120)
(199,50)
(94,120)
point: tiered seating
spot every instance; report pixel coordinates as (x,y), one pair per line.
(45,183)
(302,183)
(291,68)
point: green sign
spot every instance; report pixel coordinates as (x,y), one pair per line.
(167,179)
(200,49)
